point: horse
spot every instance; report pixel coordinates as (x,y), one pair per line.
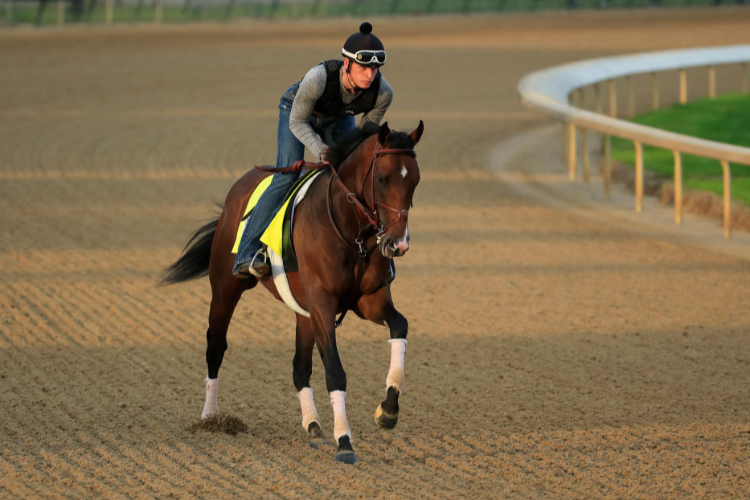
(362,206)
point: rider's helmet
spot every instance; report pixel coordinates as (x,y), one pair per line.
(364,48)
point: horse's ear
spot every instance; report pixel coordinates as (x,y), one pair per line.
(384,134)
(416,134)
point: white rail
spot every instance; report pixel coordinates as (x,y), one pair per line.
(549,90)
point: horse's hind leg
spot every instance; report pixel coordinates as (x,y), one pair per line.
(302,371)
(224,298)
(379,309)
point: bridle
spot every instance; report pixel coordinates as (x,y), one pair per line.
(368,215)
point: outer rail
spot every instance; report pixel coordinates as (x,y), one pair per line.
(549,91)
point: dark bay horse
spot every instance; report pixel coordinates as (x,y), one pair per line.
(361,207)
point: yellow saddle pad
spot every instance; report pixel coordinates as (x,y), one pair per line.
(273,236)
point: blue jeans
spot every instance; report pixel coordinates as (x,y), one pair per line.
(290,149)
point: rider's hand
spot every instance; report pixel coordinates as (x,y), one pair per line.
(323,156)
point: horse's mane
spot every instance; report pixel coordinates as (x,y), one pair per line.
(339,152)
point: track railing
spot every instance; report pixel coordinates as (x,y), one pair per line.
(559,92)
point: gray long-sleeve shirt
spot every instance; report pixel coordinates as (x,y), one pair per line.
(311,88)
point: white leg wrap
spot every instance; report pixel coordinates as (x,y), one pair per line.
(340,424)
(212,398)
(396,371)
(309,411)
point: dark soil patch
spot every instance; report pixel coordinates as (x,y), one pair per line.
(228,424)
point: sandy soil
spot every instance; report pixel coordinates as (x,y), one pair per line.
(550,355)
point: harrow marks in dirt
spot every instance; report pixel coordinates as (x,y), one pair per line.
(549,355)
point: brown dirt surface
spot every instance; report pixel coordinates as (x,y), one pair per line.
(550,355)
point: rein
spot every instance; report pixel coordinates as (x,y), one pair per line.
(296,167)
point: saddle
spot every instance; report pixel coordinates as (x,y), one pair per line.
(278,235)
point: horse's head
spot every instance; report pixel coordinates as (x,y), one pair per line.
(394,177)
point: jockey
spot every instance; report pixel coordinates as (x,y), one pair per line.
(316,112)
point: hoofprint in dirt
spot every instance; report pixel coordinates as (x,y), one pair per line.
(548,354)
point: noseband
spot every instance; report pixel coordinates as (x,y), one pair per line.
(368,216)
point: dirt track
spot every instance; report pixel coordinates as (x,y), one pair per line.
(549,355)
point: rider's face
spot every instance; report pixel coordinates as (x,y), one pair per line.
(362,76)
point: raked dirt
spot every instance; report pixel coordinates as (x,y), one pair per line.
(550,355)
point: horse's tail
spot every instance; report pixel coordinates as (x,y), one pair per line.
(195,256)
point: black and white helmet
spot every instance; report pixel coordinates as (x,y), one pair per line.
(364,48)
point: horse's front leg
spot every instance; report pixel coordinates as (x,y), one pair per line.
(379,309)
(323,316)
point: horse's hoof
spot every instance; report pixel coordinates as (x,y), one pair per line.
(345,454)
(386,415)
(315,435)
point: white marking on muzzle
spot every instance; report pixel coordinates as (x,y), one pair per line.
(402,245)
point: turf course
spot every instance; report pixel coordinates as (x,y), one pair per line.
(723,119)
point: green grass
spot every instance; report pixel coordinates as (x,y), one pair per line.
(723,119)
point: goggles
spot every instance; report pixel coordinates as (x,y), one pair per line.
(367,57)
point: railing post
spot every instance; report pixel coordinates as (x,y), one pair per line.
(631,96)
(60,12)
(727,199)
(585,155)
(745,78)
(638,176)
(711,82)
(109,9)
(571,150)
(9,12)
(683,86)
(606,166)
(158,13)
(655,90)
(612,99)
(677,187)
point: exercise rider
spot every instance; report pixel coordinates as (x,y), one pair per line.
(316,112)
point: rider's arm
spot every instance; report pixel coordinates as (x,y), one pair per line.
(375,115)
(311,89)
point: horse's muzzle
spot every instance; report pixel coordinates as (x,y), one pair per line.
(390,248)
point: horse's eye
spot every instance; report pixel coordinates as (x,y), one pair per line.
(380,179)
